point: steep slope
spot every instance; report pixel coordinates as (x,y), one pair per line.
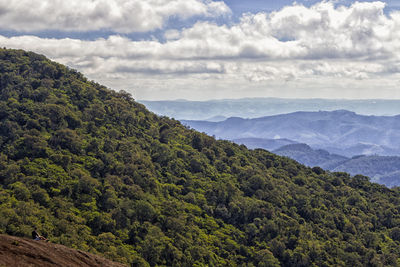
(93,169)
(21,252)
(340,132)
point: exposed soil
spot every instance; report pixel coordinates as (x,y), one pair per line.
(21,252)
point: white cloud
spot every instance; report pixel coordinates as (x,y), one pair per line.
(313,50)
(123,16)
(172,34)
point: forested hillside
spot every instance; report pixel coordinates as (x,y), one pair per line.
(92,169)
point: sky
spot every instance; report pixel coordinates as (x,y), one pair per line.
(210,49)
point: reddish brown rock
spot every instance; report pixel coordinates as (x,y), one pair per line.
(21,252)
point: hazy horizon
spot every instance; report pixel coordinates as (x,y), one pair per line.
(266,97)
(213,110)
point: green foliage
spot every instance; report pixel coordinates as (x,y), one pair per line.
(94,170)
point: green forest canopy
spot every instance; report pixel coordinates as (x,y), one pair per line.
(92,169)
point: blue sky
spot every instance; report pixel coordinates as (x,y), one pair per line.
(205,49)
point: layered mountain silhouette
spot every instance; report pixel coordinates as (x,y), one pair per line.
(311,157)
(381,169)
(340,132)
(268,144)
(94,170)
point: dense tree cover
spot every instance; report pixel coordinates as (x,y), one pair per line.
(93,169)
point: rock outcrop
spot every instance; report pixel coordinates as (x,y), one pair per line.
(21,252)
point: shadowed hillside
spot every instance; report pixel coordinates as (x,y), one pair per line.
(92,169)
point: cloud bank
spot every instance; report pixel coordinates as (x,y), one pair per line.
(310,49)
(123,16)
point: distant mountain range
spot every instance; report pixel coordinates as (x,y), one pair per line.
(218,110)
(339,141)
(339,132)
(311,157)
(268,144)
(335,139)
(381,169)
